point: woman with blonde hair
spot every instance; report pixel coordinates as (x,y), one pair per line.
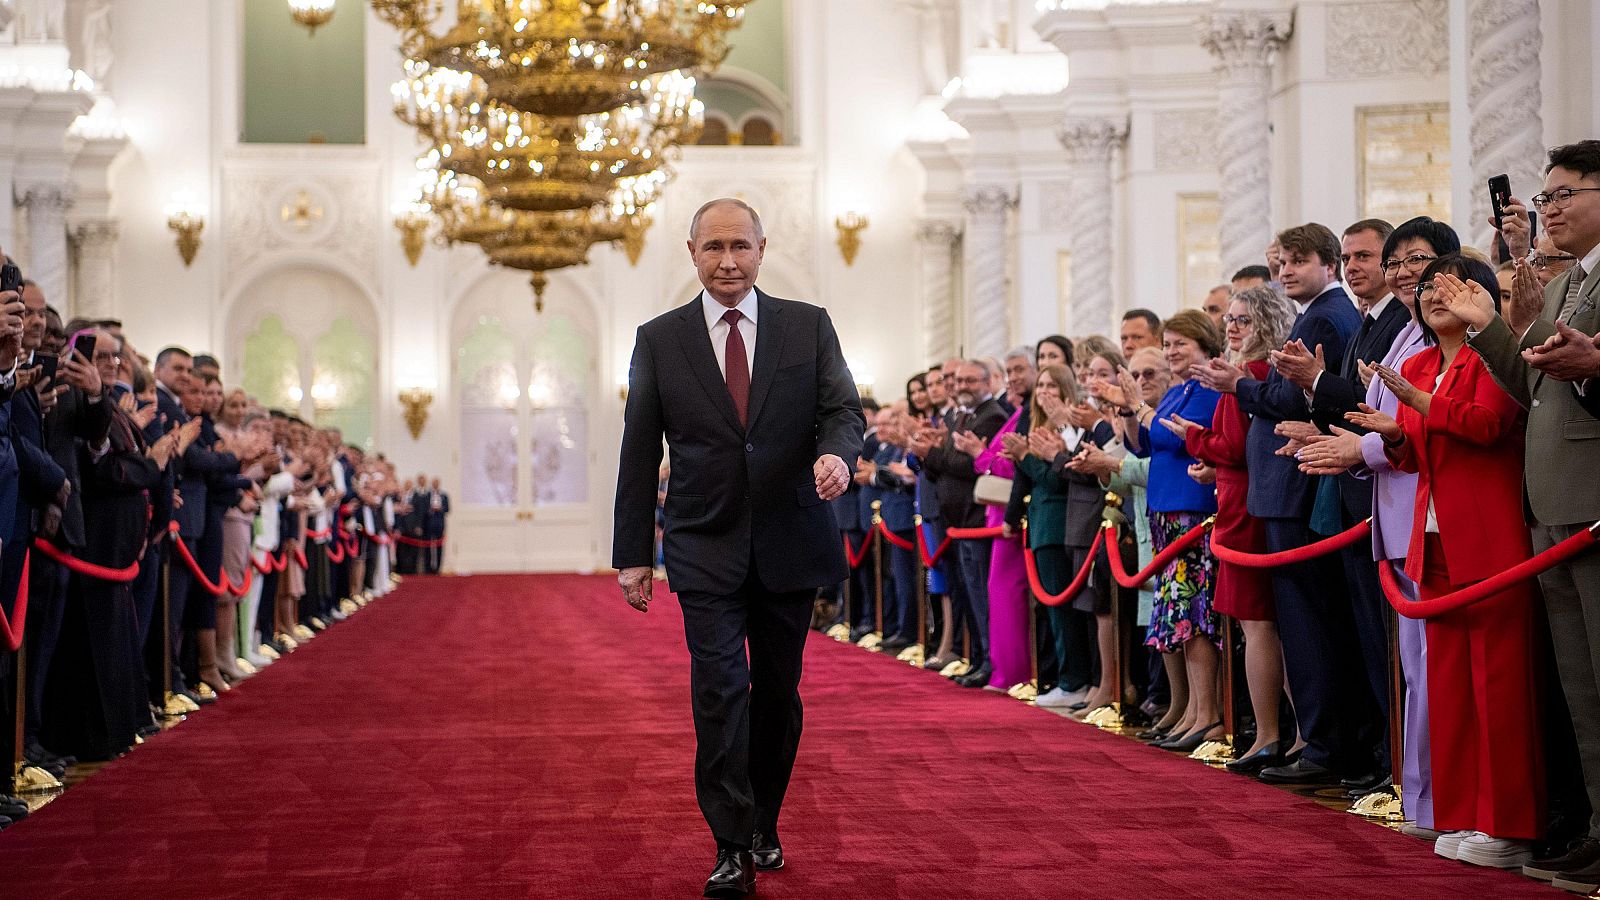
(1258,321)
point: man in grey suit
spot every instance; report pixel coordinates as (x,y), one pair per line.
(1563,444)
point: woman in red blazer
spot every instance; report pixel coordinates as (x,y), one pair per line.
(1258,321)
(1462,434)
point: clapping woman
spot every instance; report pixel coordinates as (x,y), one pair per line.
(1463,436)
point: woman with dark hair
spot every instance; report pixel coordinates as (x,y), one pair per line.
(919,405)
(1052,350)
(1258,321)
(1463,436)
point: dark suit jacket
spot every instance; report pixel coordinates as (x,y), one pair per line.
(952,470)
(1278,489)
(740,496)
(1340,392)
(75,424)
(118,489)
(433,522)
(1590,399)
(41,476)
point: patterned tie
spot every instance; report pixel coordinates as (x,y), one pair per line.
(737,367)
(1574,291)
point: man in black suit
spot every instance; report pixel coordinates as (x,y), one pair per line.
(978,417)
(1364,248)
(435,514)
(762,422)
(1320,651)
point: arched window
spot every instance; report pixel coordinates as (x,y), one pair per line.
(758,131)
(715,133)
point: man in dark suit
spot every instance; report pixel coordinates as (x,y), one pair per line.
(1337,392)
(853,527)
(1321,654)
(762,422)
(977,415)
(436,514)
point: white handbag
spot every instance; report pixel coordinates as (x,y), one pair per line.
(992,490)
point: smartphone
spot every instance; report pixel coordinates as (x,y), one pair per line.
(1499,196)
(10,277)
(46,363)
(84,344)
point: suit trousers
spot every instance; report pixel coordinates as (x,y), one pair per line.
(860,583)
(975,556)
(1572,605)
(900,577)
(47,606)
(1370,714)
(1416,763)
(1320,652)
(747,711)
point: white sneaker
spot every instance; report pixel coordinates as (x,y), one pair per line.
(1079,695)
(1449,844)
(1496,853)
(1055,698)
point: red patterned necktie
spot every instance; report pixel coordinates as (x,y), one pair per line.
(737,367)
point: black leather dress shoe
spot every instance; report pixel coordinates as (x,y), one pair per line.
(1303,771)
(977,678)
(15,810)
(895,644)
(1365,783)
(1356,793)
(734,876)
(768,855)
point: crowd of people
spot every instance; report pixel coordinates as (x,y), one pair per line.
(1384,372)
(163,537)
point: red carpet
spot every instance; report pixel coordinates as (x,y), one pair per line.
(522,736)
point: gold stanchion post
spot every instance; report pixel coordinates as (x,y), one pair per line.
(172,705)
(873,640)
(841,630)
(1028,691)
(917,652)
(1220,752)
(1113,717)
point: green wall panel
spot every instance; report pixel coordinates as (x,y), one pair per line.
(301,87)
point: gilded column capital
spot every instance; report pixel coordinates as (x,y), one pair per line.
(988,199)
(1090,139)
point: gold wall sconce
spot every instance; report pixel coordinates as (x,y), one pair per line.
(416,401)
(313,14)
(850,226)
(186,221)
(412,220)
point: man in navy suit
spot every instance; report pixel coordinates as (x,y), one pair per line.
(1321,654)
(762,422)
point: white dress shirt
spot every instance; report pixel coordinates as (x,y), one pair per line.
(714,312)
(1302,307)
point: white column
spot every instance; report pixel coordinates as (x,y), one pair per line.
(95,244)
(46,263)
(1090,142)
(1503,47)
(938,239)
(1245,43)
(987,314)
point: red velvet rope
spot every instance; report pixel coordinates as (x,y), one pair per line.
(380,539)
(104,573)
(973,534)
(13,635)
(211,587)
(852,557)
(929,560)
(894,539)
(1449,603)
(352,546)
(318,535)
(335,552)
(1078,581)
(243,587)
(1295,554)
(414,542)
(1160,561)
(264,566)
(300,557)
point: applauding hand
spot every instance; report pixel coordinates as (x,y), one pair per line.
(1373,420)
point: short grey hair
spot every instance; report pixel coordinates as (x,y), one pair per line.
(1019,350)
(988,371)
(694,223)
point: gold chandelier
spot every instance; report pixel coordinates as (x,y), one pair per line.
(567,57)
(313,14)
(549,123)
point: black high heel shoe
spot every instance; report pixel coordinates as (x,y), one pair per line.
(1189,742)
(1255,762)
(1152,734)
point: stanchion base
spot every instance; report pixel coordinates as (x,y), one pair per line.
(244,666)
(303,633)
(955,668)
(174,706)
(204,691)
(1379,805)
(317,624)
(267,651)
(34,780)
(839,632)
(1107,716)
(871,642)
(1214,753)
(1025,691)
(348,606)
(912,655)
